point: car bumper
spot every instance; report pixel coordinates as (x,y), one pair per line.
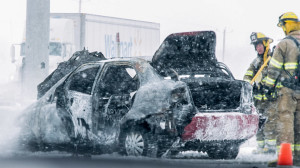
(221,126)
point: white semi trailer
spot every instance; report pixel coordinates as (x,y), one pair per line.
(99,33)
(114,37)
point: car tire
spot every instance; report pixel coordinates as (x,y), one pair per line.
(229,151)
(174,153)
(138,142)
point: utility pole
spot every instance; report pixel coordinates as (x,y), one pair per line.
(224,36)
(79,11)
(36,45)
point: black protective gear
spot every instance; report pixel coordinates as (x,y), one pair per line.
(262,120)
(268,92)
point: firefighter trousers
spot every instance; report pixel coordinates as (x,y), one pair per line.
(270,124)
(288,124)
(261,106)
(267,133)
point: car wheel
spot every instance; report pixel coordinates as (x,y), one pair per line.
(28,141)
(138,142)
(230,151)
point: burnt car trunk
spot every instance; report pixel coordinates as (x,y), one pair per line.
(216,95)
(190,57)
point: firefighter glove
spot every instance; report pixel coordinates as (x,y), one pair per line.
(268,92)
(255,88)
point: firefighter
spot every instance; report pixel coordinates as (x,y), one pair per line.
(265,136)
(283,68)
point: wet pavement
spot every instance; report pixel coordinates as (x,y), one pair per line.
(109,161)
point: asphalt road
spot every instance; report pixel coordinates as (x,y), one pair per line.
(109,161)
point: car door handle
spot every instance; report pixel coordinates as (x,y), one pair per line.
(71,101)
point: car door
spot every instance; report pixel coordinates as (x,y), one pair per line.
(79,87)
(114,93)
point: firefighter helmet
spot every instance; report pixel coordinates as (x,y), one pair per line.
(287,17)
(257,37)
(289,22)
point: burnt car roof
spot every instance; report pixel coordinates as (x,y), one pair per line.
(186,52)
(125,59)
(142,67)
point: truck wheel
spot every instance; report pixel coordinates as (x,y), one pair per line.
(138,142)
(230,151)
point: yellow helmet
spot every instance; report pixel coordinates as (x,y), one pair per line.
(257,37)
(287,17)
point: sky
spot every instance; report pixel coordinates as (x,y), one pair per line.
(238,17)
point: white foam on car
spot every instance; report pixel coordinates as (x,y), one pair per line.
(224,126)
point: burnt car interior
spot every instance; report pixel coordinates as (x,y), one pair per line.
(83,81)
(115,94)
(117,80)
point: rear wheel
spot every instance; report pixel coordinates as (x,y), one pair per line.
(138,142)
(229,151)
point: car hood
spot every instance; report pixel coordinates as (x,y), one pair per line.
(44,119)
(186,52)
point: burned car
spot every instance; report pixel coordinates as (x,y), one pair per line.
(184,100)
(109,106)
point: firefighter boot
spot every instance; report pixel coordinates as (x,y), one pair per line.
(272,163)
(296,161)
(296,158)
(260,147)
(270,146)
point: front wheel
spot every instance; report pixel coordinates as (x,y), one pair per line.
(138,142)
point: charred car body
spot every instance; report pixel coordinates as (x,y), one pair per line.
(129,106)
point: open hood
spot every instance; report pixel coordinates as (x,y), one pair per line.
(186,53)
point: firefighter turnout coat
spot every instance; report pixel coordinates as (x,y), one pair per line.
(285,59)
(251,72)
(285,56)
(266,135)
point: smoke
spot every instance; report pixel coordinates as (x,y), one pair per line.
(12,104)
